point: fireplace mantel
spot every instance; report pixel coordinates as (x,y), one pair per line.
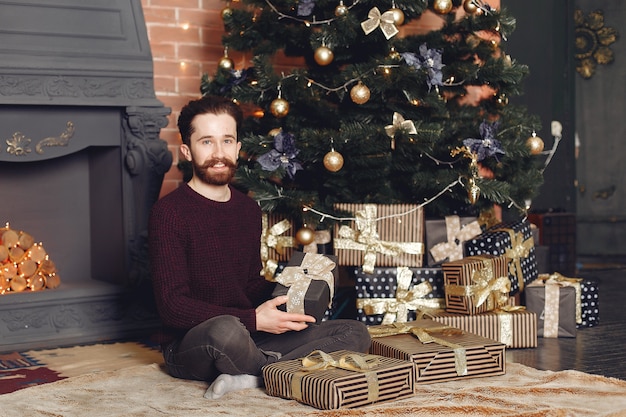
(81,163)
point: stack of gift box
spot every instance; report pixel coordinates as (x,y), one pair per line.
(446,296)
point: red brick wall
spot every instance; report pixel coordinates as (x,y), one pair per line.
(186,41)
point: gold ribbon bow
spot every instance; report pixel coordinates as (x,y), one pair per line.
(366,239)
(321,237)
(519,249)
(453,248)
(425,335)
(399,124)
(563,281)
(298,279)
(270,238)
(486,287)
(376,19)
(355,362)
(397,309)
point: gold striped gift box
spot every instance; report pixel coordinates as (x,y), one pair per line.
(380,235)
(450,354)
(467,280)
(334,387)
(516,329)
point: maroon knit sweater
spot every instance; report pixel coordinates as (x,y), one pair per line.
(205,260)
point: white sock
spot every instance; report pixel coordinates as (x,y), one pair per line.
(227,383)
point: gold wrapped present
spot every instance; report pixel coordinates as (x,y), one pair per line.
(277,243)
(380,235)
(476,284)
(514,326)
(439,352)
(557,304)
(341,379)
(410,297)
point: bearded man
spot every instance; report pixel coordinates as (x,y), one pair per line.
(219,323)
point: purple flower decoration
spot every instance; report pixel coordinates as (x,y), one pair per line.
(283,155)
(428,59)
(488,145)
(236,78)
(305,7)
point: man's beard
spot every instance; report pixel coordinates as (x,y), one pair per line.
(223,178)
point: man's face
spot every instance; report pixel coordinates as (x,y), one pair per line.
(213,149)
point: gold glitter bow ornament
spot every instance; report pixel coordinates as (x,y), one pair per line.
(486,287)
(355,362)
(519,249)
(298,279)
(407,298)
(384,20)
(453,248)
(399,124)
(425,335)
(563,281)
(270,238)
(366,239)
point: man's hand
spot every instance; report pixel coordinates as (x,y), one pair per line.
(272,320)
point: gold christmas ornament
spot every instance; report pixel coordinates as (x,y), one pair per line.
(442,6)
(360,94)
(279,107)
(225,62)
(470,6)
(398,16)
(341,10)
(535,144)
(305,235)
(323,55)
(473,191)
(226,12)
(333,161)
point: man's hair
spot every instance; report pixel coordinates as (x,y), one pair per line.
(206,105)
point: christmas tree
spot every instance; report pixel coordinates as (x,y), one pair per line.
(377,113)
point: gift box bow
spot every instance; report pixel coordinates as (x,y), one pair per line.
(320,237)
(384,20)
(456,235)
(520,248)
(563,281)
(425,335)
(319,360)
(407,298)
(366,239)
(270,238)
(486,287)
(298,278)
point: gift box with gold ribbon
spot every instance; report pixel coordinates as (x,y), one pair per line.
(277,243)
(557,302)
(514,240)
(476,284)
(445,237)
(439,352)
(514,326)
(380,235)
(341,379)
(397,294)
(310,281)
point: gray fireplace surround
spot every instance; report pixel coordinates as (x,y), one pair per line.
(81,163)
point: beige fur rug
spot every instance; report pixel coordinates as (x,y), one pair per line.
(146,390)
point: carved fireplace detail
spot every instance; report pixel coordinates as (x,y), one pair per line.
(81,163)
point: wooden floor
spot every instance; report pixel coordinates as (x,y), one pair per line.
(598,350)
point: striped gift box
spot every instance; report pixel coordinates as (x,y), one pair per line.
(463,273)
(333,388)
(464,355)
(516,329)
(396,226)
